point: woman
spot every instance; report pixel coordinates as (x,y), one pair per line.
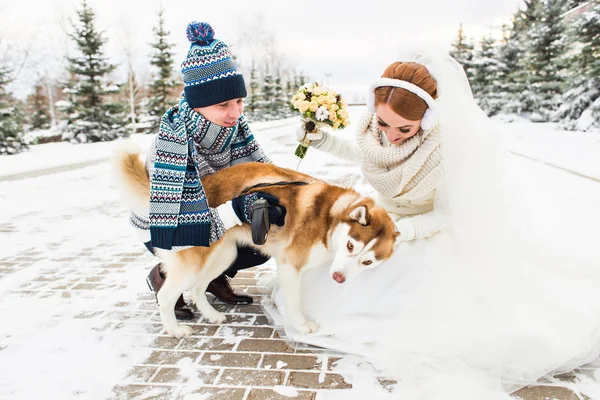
(399,155)
(458,308)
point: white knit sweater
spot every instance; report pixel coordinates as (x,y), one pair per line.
(405,177)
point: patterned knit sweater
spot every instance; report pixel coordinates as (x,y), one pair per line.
(215,149)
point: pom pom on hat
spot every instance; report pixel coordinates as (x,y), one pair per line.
(209,74)
(199,32)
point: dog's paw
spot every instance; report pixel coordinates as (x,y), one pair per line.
(215,317)
(307,327)
(180,331)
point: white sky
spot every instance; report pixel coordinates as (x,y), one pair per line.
(350,40)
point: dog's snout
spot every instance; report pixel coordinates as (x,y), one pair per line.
(338,277)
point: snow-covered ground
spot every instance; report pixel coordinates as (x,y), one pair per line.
(574,151)
(60,233)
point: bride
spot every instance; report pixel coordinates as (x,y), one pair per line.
(459,310)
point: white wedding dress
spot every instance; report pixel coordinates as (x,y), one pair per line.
(465,313)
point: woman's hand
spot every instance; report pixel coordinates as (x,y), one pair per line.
(300,133)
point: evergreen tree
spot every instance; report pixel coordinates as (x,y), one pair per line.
(485,81)
(299,81)
(582,98)
(462,51)
(509,54)
(11,118)
(38,106)
(163,83)
(253,99)
(524,19)
(513,53)
(267,103)
(91,117)
(542,63)
(280,105)
(290,91)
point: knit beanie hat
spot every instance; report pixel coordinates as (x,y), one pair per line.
(209,74)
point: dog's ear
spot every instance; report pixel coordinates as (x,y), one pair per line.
(361,215)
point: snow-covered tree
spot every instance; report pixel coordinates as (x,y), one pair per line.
(462,51)
(512,52)
(290,90)
(253,100)
(542,63)
(580,107)
(38,107)
(162,87)
(508,54)
(486,70)
(280,102)
(299,81)
(91,117)
(11,118)
(267,101)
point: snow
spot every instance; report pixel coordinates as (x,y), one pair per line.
(286,391)
(572,150)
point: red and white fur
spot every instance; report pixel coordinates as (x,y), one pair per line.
(324,223)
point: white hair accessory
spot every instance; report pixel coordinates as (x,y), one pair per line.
(430,118)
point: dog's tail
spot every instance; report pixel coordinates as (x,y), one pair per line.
(132,177)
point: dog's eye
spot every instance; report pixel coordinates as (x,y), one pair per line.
(350,246)
(368,262)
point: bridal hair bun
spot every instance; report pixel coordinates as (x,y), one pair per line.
(200,32)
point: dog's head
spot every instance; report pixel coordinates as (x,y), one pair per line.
(365,238)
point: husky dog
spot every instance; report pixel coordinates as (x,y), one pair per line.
(324,223)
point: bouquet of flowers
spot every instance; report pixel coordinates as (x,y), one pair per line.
(319,107)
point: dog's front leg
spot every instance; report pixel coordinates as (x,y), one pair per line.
(289,283)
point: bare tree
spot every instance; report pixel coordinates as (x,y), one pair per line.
(127,41)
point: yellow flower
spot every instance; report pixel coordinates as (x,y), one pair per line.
(336,124)
(334,107)
(332,115)
(304,106)
(314,106)
(318,90)
(321,100)
(301,96)
(331,98)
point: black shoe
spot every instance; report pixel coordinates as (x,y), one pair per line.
(155,281)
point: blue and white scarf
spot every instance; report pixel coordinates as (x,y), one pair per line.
(188,147)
